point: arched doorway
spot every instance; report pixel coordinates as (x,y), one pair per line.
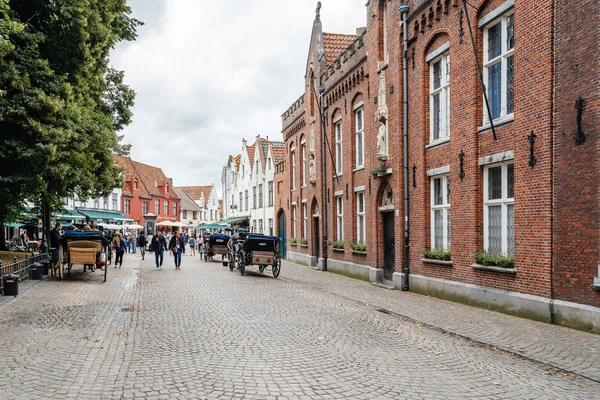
(387,216)
(281,232)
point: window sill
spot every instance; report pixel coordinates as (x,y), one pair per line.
(498,122)
(437,262)
(596,287)
(293,244)
(437,143)
(490,268)
(338,250)
(358,169)
(303,245)
(360,253)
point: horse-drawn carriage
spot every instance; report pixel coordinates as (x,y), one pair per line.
(89,248)
(214,244)
(254,249)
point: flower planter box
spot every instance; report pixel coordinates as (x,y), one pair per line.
(303,245)
(293,244)
(437,262)
(491,268)
(360,253)
(338,250)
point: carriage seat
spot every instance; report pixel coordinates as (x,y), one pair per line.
(86,244)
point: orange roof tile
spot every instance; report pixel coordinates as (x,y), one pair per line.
(196,192)
(251,150)
(335,43)
(237,162)
(278,152)
(151,177)
(130,172)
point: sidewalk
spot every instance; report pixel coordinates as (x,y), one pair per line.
(563,348)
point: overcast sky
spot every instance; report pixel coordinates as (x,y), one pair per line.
(210,73)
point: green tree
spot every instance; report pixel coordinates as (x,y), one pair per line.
(61,105)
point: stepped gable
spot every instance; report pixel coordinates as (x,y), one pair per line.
(335,44)
(197,192)
(127,164)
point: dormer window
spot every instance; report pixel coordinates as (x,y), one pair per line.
(167,188)
(135,184)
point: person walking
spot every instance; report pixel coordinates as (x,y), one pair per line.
(119,246)
(177,246)
(55,240)
(200,245)
(141,243)
(159,244)
(133,242)
(192,246)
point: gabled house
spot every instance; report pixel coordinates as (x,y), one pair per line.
(207,200)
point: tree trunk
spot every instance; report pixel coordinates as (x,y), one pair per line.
(45,226)
(3,246)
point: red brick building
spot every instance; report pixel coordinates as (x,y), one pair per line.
(147,190)
(512,193)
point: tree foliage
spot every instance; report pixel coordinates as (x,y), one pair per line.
(61,104)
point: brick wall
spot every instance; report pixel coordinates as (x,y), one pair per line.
(577,166)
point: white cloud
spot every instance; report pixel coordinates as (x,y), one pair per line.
(208,74)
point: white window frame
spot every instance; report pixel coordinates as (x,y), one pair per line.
(127,206)
(444,92)
(271,227)
(115,202)
(174,208)
(303,147)
(360,137)
(360,215)
(339,206)
(166,208)
(157,207)
(338,147)
(445,208)
(271,192)
(294,231)
(144,207)
(505,53)
(505,201)
(260,196)
(304,220)
(293,156)
(260,226)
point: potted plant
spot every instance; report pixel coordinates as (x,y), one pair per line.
(293,242)
(494,259)
(358,248)
(337,245)
(304,242)
(436,254)
(382,169)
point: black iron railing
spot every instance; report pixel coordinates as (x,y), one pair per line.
(20,268)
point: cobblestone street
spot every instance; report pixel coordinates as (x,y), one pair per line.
(206,332)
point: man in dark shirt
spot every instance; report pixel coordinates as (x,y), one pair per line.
(55,240)
(159,244)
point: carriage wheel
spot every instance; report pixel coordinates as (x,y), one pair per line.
(105,265)
(231,259)
(261,268)
(276,267)
(242,263)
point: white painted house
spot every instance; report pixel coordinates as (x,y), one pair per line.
(248,184)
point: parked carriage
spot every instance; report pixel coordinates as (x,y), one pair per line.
(215,244)
(88,248)
(253,249)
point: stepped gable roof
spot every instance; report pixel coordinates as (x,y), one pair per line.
(335,44)
(127,164)
(278,152)
(196,192)
(237,162)
(149,175)
(187,203)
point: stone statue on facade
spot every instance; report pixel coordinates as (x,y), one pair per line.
(381,117)
(312,169)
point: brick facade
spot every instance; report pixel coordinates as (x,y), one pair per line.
(350,67)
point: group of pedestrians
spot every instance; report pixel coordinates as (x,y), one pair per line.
(176,245)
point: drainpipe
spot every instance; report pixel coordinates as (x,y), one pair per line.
(323,177)
(403,8)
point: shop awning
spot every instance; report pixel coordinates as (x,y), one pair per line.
(13,225)
(105,216)
(68,215)
(223,224)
